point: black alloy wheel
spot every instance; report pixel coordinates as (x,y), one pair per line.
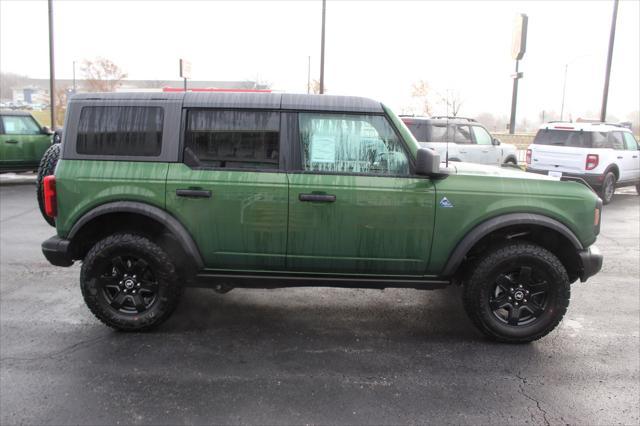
(128,285)
(519,297)
(517,292)
(129,282)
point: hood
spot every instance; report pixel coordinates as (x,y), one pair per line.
(473,169)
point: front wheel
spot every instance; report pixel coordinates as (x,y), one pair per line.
(129,282)
(518,293)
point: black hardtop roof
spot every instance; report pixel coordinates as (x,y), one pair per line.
(249,100)
(14,112)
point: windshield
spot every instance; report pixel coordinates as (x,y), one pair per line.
(574,138)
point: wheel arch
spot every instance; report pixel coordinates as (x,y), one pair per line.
(547,232)
(614,169)
(137,217)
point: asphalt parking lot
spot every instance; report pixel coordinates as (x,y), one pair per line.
(311,355)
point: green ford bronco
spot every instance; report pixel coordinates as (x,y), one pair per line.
(157,192)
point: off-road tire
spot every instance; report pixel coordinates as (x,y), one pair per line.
(608,188)
(482,280)
(160,265)
(47,166)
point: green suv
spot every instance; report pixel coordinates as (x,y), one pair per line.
(22,141)
(157,192)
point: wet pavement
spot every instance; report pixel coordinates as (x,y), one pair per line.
(329,356)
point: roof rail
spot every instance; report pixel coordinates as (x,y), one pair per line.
(440,117)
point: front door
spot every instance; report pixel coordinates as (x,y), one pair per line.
(22,142)
(631,145)
(230,190)
(354,206)
(488,153)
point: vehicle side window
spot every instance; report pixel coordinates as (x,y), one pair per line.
(482,136)
(462,135)
(120,131)
(346,143)
(615,139)
(234,139)
(630,142)
(601,140)
(20,125)
(439,133)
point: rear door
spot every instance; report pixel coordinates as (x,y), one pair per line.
(230,189)
(354,206)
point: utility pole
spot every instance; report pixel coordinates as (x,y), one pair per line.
(612,36)
(324,7)
(74,77)
(564,89)
(52,71)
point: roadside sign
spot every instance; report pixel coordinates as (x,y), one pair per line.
(185,68)
(519,45)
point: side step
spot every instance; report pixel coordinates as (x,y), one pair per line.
(221,281)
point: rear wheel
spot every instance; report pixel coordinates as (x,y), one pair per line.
(129,282)
(608,188)
(47,167)
(518,293)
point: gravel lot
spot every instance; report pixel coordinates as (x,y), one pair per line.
(311,355)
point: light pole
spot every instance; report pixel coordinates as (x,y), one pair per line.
(564,84)
(324,7)
(612,36)
(52,71)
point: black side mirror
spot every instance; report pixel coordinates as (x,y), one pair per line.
(496,141)
(427,162)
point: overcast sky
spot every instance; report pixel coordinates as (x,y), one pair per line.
(373,48)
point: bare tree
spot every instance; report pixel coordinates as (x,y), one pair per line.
(102,75)
(452,102)
(315,87)
(421,92)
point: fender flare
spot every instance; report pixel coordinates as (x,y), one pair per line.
(502,221)
(175,227)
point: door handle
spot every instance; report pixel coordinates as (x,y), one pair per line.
(193,193)
(485,150)
(635,156)
(463,152)
(620,158)
(11,141)
(317,198)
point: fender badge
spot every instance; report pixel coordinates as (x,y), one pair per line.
(446,203)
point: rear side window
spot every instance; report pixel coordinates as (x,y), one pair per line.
(234,139)
(463,135)
(120,131)
(578,139)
